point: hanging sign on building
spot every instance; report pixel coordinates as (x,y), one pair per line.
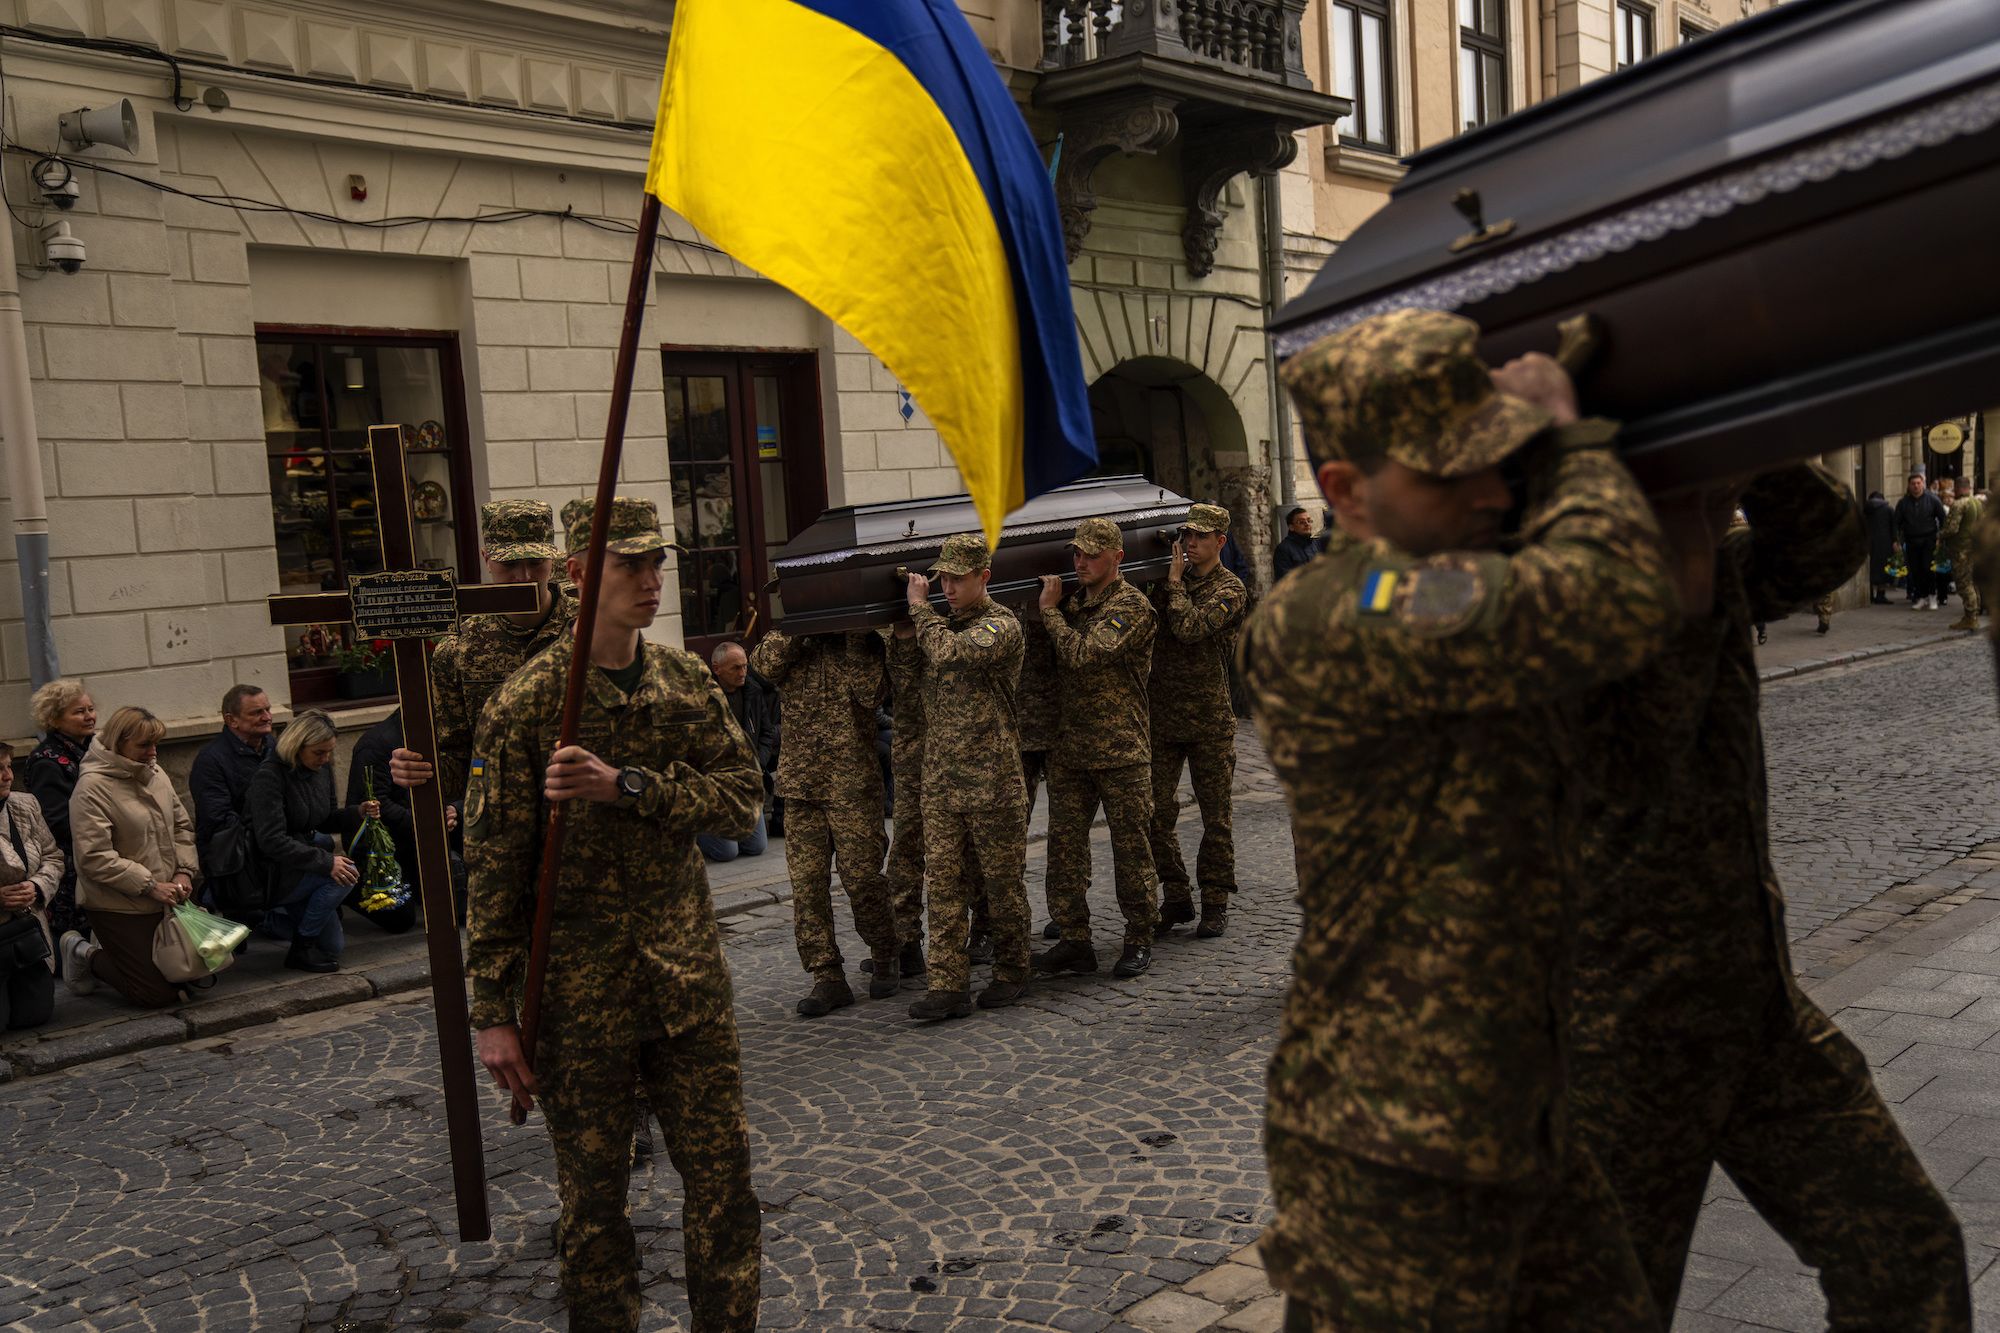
(1948,438)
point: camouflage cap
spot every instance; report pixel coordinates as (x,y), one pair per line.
(517,530)
(1095,536)
(1408,385)
(635,527)
(963,553)
(1207,518)
(570,510)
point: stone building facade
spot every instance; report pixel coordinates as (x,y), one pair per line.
(344,213)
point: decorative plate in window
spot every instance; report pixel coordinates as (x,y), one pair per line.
(430,435)
(429,498)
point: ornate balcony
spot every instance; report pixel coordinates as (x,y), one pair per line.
(1225,77)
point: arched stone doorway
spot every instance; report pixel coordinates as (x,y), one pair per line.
(1168,421)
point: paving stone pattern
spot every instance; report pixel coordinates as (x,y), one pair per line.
(1047,1166)
(1089,1160)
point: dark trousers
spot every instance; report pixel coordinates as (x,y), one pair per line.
(124,959)
(27,997)
(1918,554)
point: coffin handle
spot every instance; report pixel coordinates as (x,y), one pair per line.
(1580,339)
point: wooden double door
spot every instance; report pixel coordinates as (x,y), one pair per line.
(746,464)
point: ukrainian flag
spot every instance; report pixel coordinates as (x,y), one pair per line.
(865,154)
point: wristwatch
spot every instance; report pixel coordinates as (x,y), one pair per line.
(631,785)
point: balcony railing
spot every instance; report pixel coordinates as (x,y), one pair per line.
(1254,37)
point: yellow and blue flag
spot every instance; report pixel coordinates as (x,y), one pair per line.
(865,154)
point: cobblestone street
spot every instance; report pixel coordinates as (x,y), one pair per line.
(1088,1160)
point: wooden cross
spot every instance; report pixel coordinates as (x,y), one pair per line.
(409,606)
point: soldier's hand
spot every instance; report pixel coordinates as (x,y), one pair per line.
(407,768)
(919,590)
(575,774)
(1051,592)
(500,1051)
(1177,565)
(1538,380)
(450,818)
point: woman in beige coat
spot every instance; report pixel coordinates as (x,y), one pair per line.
(135,858)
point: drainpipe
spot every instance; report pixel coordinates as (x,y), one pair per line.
(1271,207)
(21,460)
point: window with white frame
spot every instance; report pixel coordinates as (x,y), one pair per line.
(1363,64)
(1482,61)
(1635,32)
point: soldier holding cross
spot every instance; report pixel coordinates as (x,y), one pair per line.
(642,992)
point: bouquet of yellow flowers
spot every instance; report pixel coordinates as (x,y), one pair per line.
(382,882)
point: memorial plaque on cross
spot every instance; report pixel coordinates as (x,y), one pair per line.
(408,606)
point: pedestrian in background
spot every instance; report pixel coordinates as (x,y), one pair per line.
(1296,548)
(1956,543)
(1880,517)
(293,815)
(232,878)
(31,867)
(754,705)
(1920,516)
(135,858)
(67,717)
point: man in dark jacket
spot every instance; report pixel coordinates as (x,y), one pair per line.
(755,705)
(1297,548)
(219,784)
(1919,516)
(1880,517)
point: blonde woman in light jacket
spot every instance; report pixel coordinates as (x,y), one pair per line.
(135,858)
(31,868)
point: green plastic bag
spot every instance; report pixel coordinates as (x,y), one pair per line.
(214,938)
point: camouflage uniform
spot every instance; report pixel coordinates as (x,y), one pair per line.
(1691,1043)
(470,664)
(1194,726)
(1103,646)
(1414,709)
(906,763)
(831,685)
(975,803)
(637,988)
(1036,704)
(1957,545)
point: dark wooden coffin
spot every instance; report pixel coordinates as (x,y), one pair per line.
(1788,231)
(848,570)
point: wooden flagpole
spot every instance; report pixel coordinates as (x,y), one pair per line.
(586,621)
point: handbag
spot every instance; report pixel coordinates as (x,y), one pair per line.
(193,945)
(23,942)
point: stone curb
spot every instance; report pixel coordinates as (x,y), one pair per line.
(395,976)
(1863,654)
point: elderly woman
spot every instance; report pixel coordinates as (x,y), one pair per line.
(31,867)
(67,719)
(135,858)
(292,815)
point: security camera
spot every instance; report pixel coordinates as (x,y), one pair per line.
(62,249)
(56,182)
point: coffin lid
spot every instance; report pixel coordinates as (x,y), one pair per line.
(917,528)
(1754,92)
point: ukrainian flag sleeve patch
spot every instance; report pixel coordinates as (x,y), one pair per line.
(1378,591)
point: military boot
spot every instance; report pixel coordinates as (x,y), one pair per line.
(979,950)
(1138,956)
(1000,994)
(1067,956)
(1212,924)
(827,995)
(913,959)
(888,978)
(1052,931)
(1966,621)
(642,1142)
(943,1004)
(1174,912)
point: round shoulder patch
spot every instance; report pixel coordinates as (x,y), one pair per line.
(1442,597)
